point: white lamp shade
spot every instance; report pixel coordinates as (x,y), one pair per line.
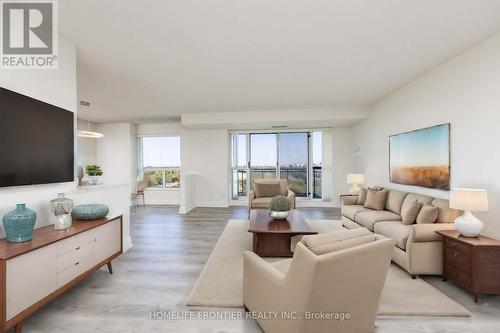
(355,178)
(474,200)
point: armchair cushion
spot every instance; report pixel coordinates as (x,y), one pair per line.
(395,230)
(337,240)
(261,202)
(265,190)
(351,210)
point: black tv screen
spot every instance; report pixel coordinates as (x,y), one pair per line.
(36,141)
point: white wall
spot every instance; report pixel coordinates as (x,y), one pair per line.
(205,153)
(342,162)
(54,86)
(114,153)
(464,92)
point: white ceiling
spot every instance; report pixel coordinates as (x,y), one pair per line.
(158,59)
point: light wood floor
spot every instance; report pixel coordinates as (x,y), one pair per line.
(169,253)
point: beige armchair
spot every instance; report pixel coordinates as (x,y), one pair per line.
(265,189)
(345,282)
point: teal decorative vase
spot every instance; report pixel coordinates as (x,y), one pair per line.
(19,223)
(89,212)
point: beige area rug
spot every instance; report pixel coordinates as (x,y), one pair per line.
(220,282)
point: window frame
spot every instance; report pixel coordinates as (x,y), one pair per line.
(164,170)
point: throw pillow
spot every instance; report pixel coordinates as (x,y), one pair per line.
(264,190)
(376,199)
(337,240)
(361,197)
(409,215)
(428,214)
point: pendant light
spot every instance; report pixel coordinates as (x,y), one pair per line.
(89,133)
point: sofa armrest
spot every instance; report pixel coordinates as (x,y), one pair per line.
(251,197)
(427,232)
(348,200)
(291,197)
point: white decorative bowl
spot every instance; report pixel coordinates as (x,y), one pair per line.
(279,215)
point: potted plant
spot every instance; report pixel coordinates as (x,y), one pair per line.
(94,172)
(279,207)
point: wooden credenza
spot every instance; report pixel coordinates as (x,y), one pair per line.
(471,262)
(34,273)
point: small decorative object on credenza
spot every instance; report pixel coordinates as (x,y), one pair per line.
(279,207)
(94,172)
(355,179)
(61,207)
(19,223)
(89,212)
(469,200)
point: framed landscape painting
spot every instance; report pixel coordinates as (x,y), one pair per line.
(421,157)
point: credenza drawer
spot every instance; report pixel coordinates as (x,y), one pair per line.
(458,259)
(74,271)
(70,258)
(457,246)
(463,278)
(69,244)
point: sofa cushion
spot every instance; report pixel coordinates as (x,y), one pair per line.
(362,196)
(428,214)
(264,190)
(337,240)
(411,197)
(446,214)
(395,201)
(409,216)
(369,218)
(350,211)
(376,199)
(261,202)
(395,230)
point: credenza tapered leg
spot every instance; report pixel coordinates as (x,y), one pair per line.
(110,267)
(18,328)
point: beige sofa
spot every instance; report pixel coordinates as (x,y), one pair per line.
(418,247)
(265,189)
(344,281)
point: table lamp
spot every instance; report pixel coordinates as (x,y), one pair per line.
(355,179)
(469,200)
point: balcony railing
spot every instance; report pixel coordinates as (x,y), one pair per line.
(296,177)
(317,179)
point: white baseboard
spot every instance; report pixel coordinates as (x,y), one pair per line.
(212,204)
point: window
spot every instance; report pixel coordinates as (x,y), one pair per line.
(161,161)
(294,156)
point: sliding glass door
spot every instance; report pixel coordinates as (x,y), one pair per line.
(263,156)
(294,161)
(294,156)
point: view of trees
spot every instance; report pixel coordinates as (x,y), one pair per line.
(160,178)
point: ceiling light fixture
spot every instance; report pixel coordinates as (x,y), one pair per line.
(89,133)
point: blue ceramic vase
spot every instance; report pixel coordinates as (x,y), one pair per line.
(19,223)
(89,212)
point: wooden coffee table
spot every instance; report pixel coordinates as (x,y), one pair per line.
(271,238)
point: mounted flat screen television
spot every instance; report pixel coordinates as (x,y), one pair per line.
(36,141)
